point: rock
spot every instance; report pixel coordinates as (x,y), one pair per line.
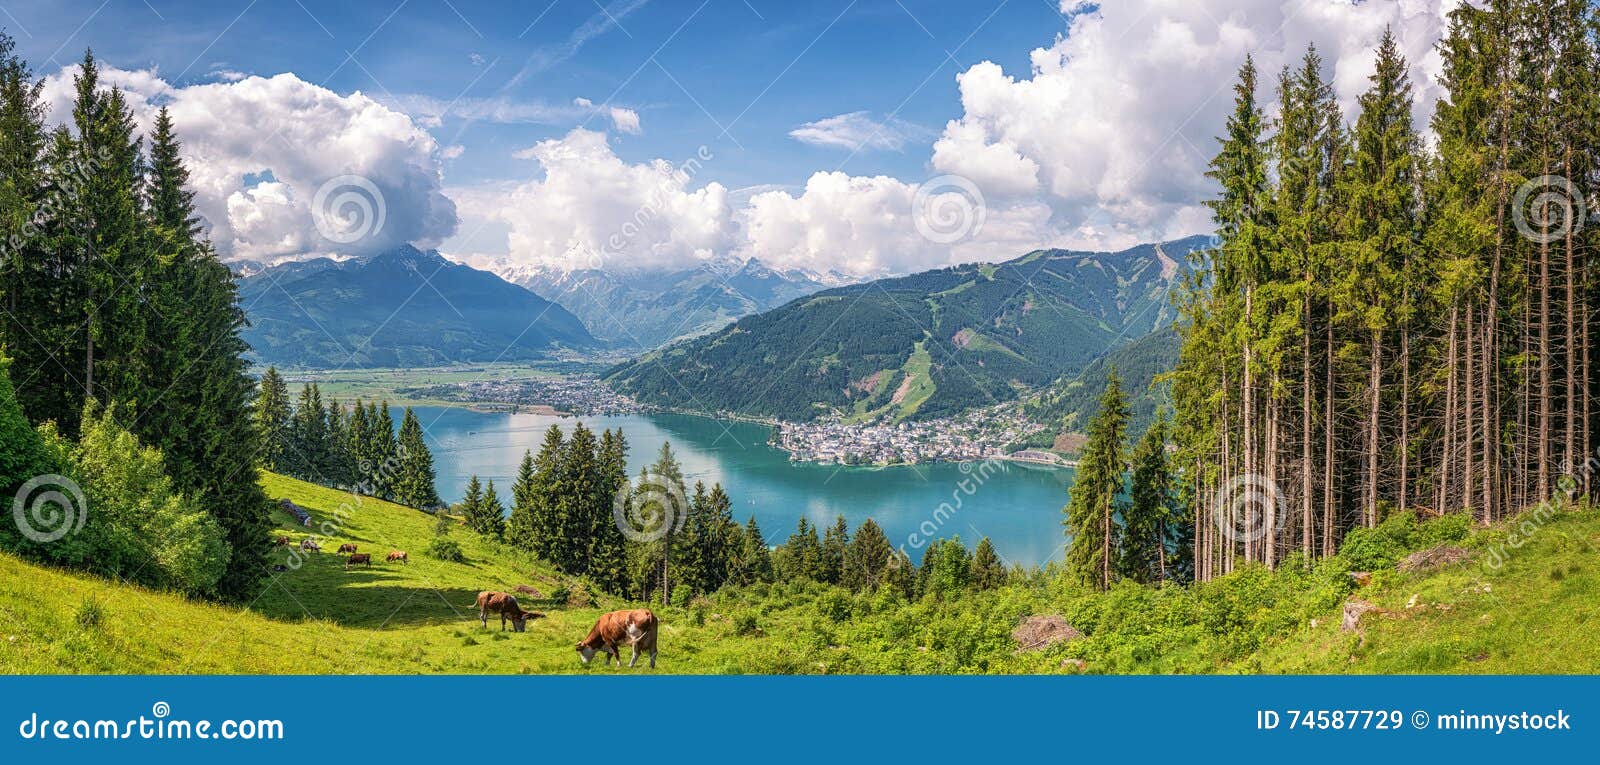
(1036,632)
(1432,558)
(1354,609)
(1412,602)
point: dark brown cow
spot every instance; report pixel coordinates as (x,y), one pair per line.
(507,607)
(399,555)
(281,541)
(357,559)
(347,547)
(527,589)
(311,545)
(636,628)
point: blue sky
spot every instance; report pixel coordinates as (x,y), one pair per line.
(767,61)
(865,137)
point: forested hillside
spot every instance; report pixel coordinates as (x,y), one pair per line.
(1392,322)
(402,308)
(926,345)
(1068,404)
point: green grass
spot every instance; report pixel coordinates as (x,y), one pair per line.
(917,370)
(385,384)
(1531,614)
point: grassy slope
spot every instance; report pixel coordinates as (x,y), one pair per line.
(1527,616)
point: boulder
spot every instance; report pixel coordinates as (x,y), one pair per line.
(1037,632)
(1432,558)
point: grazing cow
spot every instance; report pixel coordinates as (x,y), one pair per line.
(636,628)
(398,555)
(347,547)
(281,541)
(357,559)
(507,607)
(310,544)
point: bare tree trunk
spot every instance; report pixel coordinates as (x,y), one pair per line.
(1327,443)
(1374,398)
(1305,426)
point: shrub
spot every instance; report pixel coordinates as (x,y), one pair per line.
(745,624)
(135,524)
(447,549)
(681,595)
(91,612)
(834,606)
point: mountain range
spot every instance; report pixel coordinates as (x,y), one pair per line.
(641,311)
(400,308)
(920,346)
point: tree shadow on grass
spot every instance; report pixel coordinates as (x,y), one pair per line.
(364,597)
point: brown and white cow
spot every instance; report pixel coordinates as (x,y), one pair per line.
(281,541)
(635,628)
(398,555)
(507,607)
(357,559)
(347,547)
(310,545)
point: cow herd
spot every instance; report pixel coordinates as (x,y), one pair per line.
(634,628)
(354,558)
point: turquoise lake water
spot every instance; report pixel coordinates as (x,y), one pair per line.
(1018,507)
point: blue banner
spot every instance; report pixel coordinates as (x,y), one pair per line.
(796,719)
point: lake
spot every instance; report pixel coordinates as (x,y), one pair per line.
(1017,506)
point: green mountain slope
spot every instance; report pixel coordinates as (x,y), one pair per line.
(1068,404)
(989,331)
(402,308)
(1506,609)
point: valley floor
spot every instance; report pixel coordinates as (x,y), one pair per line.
(1510,608)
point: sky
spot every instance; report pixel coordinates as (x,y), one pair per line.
(854,136)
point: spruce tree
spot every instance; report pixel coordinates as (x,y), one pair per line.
(271,416)
(524,504)
(492,513)
(834,541)
(413,485)
(1148,517)
(1094,501)
(987,572)
(867,558)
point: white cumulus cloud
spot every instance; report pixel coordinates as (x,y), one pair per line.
(260,148)
(592,209)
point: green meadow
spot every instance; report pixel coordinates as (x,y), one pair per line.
(1528,614)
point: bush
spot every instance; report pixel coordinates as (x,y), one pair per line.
(834,605)
(135,524)
(91,612)
(745,624)
(681,595)
(447,549)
